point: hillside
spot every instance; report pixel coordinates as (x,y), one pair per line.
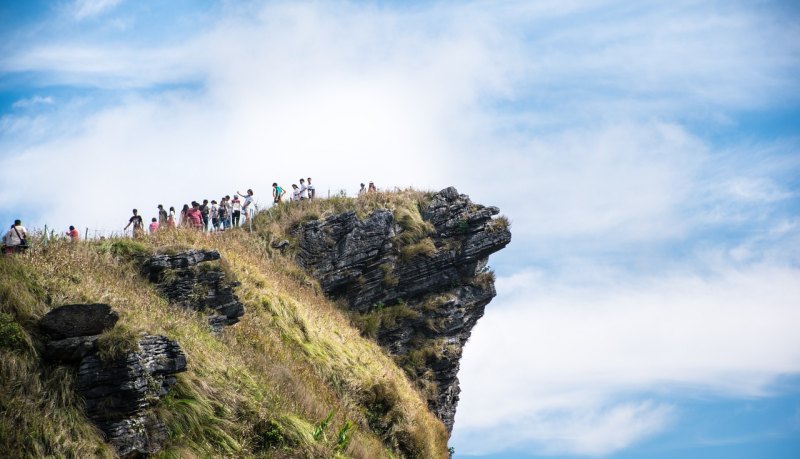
(286,355)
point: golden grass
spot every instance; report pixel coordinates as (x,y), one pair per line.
(256,391)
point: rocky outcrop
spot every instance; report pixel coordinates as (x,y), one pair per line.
(423,279)
(192,279)
(73,320)
(119,392)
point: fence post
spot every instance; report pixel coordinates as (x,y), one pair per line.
(86,234)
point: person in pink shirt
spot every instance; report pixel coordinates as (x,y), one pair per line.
(195,216)
(73,234)
(153,226)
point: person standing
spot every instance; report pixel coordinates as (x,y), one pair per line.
(303,189)
(204,214)
(312,193)
(195,216)
(236,207)
(295,193)
(16,239)
(277,193)
(73,234)
(162,216)
(223,213)
(248,200)
(229,207)
(362,191)
(372,188)
(171,218)
(185,217)
(138,224)
(214,216)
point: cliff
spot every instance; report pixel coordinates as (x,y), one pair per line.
(416,281)
(333,330)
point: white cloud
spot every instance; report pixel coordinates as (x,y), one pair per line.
(82,9)
(556,350)
(33,101)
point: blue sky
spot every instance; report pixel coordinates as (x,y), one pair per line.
(647,154)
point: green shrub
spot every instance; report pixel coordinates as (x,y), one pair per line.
(12,336)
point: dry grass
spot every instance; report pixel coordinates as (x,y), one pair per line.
(258,390)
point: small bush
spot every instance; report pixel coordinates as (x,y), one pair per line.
(12,336)
(500,223)
(128,249)
(424,247)
(116,343)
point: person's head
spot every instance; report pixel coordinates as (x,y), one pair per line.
(362,185)
(195,205)
(160,207)
(135,211)
(172,209)
(274,184)
(214,202)
(154,220)
(205,201)
(249,192)
(302,181)
(227,196)
(186,207)
(294,186)
(309,180)
(236,198)
(71,228)
(17,222)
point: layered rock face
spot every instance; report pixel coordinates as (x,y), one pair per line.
(190,279)
(418,296)
(118,392)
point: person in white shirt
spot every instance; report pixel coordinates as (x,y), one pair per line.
(295,192)
(248,199)
(303,189)
(363,190)
(312,193)
(16,238)
(236,205)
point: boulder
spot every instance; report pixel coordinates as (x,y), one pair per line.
(74,320)
(70,350)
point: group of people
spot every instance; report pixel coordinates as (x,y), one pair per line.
(206,216)
(216,216)
(302,192)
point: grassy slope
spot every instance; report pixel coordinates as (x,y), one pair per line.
(261,389)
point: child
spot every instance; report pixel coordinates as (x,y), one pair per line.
(312,193)
(153,225)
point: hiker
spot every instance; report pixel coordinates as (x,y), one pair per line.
(362,191)
(185,217)
(138,224)
(247,201)
(214,216)
(223,213)
(295,193)
(195,216)
(229,208)
(277,193)
(16,239)
(73,234)
(171,218)
(371,188)
(312,193)
(162,216)
(154,225)
(236,207)
(303,189)
(204,214)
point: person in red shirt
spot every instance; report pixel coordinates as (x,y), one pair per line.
(195,216)
(73,234)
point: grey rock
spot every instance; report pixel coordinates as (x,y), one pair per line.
(359,260)
(70,350)
(119,393)
(186,282)
(74,320)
